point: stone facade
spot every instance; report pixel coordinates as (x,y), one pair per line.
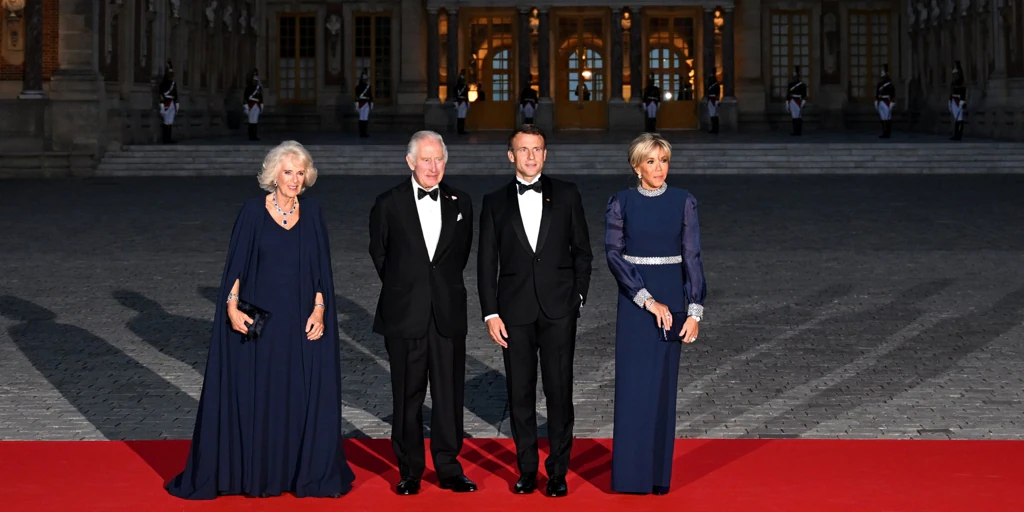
(100,91)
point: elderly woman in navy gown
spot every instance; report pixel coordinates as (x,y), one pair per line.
(652,243)
(269,419)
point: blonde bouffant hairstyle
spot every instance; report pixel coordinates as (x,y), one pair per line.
(646,144)
(272,165)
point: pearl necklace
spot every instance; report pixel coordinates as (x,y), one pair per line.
(284,216)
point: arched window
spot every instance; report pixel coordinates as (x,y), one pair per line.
(672,74)
(501,79)
(581,87)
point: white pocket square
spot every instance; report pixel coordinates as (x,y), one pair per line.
(458,219)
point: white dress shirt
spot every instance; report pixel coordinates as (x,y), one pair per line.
(531,208)
(430,216)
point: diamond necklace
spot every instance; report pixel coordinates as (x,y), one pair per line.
(284,216)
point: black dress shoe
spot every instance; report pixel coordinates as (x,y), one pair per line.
(526,484)
(457,484)
(408,486)
(557,487)
(659,490)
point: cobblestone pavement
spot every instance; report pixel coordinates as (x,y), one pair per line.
(850,307)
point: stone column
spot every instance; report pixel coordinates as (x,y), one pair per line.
(523,40)
(434,116)
(636,56)
(32,85)
(433,56)
(729,53)
(412,87)
(77,98)
(544,54)
(545,116)
(709,42)
(729,110)
(453,54)
(997,92)
(616,55)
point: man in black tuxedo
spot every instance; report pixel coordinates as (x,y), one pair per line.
(534,273)
(421,232)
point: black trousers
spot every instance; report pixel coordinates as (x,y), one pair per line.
(413,361)
(555,339)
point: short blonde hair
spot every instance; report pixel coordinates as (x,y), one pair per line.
(646,144)
(272,165)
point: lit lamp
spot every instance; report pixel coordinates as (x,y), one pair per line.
(473,94)
(668,96)
(587,74)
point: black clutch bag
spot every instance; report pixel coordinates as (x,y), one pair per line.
(259,319)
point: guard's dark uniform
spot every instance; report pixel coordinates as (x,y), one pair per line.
(796,98)
(364,104)
(528,103)
(168,102)
(651,103)
(252,104)
(461,103)
(711,92)
(885,101)
(958,102)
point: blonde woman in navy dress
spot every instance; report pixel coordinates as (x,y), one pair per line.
(652,242)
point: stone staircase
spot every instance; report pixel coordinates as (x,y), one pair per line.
(887,157)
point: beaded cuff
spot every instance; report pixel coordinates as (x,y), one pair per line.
(642,297)
(695,310)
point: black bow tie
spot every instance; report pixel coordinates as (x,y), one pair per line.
(420,193)
(536,187)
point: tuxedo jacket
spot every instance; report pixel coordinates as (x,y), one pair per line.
(414,286)
(517,282)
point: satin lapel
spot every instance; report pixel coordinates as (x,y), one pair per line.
(410,216)
(449,218)
(517,216)
(545,217)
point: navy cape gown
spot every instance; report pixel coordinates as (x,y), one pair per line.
(269,418)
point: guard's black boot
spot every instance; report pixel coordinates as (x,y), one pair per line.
(714,124)
(958,131)
(364,129)
(460,126)
(167,134)
(256,131)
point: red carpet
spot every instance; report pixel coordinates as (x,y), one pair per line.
(719,475)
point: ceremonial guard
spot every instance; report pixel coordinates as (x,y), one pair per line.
(958,102)
(528,102)
(364,104)
(796,99)
(885,101)
(711,92)
(461,103)
(168,102)
(651,102)
(252,104)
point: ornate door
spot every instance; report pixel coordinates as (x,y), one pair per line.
(581,84)
(491,57)
(671,58)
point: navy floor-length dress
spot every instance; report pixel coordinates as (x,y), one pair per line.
(652,243)
(269,419)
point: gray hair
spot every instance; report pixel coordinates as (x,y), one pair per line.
(272,164)
(414,143)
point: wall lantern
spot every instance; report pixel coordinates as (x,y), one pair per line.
(587,74)
(473,94)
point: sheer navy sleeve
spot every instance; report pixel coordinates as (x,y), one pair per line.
(696,288)
(626,275)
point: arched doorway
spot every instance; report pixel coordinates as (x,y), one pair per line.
(491,58)
(581,84)
(671,58)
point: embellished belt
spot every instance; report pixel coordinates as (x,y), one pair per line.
(653,260)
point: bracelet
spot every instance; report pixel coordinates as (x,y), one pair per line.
(650,302)
(232,296)
(319,305)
